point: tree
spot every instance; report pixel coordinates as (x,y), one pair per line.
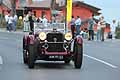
(13,7)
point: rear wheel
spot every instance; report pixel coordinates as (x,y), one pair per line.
(78,56)
(31,57)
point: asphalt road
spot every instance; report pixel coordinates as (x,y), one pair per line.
(101,62)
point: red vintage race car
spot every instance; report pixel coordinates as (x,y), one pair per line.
(52,43)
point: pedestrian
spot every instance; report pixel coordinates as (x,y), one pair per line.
(78,24)
(103,25)
(10,22)
(26,23)
(6,20)
(72,23)
(91,24)
(98,30)
(31,20)
(113,29)
(15,22)
(34,17)
(45,21)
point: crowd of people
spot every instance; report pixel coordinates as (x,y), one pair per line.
(75,23)
(29,20)
(11,21)
(89,32)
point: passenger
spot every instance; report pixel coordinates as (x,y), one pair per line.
(78,24)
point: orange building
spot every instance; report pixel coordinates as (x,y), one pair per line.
(79,8)
(4,7)
(44,7)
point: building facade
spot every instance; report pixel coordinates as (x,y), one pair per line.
(79,8)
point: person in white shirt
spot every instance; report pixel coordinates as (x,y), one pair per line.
(45,21)
(98,30)
(103,25)
(10,22)
(15,22)
(78,24)
(113,29)
(6,19)
(26,23)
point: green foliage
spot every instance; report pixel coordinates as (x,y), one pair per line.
(118,33)
(20,24)
(3,25)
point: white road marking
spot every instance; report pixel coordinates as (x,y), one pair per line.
(104,62)
(1,61)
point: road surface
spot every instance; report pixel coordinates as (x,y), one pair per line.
(101,62)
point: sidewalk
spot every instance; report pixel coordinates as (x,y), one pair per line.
(17,31)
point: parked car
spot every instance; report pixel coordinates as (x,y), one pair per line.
(52,43)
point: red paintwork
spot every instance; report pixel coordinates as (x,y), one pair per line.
(31,39)
(79,40)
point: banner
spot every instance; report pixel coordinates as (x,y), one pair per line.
(69,10)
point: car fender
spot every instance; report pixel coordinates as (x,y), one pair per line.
(31,39)
(79,39)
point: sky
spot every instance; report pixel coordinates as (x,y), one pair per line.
(110,8)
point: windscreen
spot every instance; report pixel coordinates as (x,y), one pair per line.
(40,27)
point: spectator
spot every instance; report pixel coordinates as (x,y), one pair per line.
(26,23)
(113,29)
(34,17)
(78,24)
(15,22)
(44,21)
(103,25)
(98,30)
(72,23)
(7,19)
(10,22)
(91,24)
(31,20)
